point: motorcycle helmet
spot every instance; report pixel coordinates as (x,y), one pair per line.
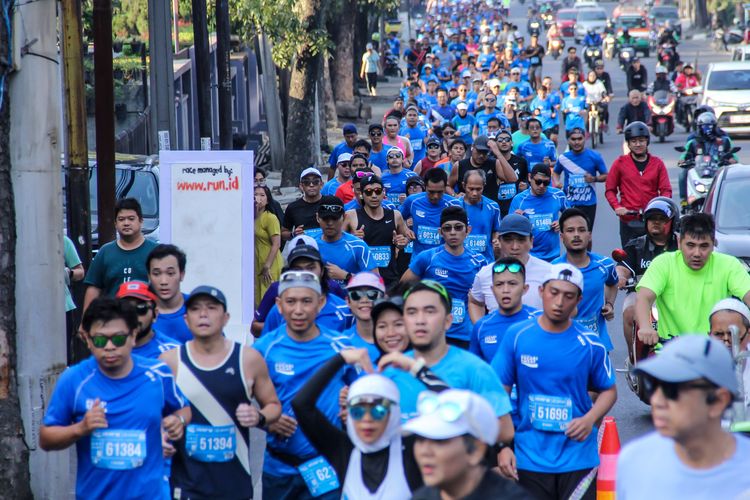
(702,109)
(660,69)
(637,129)
(592,32)
(625,32)
(706,124)
(664,206)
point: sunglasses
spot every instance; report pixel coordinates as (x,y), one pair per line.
(433,146)
(502,267)
(391,157)
(671,390)
(372,295)
(370,192)
(435,287)
(142,308)
(503,139)
(448,133)
(310,182)
(378,412)
(101,341)
(362,173)
(541,182)
(334,209)
(376,134)
(453,227)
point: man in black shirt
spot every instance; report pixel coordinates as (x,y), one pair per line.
(506,191)
(300,214)
(635,110)
(451,454)
(534,53)
(496,170)
(637,76)
(572,61)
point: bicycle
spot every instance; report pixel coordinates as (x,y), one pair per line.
(595,125)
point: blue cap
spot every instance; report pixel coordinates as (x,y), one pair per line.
(209,291)
(349,128)
(517,224)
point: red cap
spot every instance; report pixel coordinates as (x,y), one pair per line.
(136,289)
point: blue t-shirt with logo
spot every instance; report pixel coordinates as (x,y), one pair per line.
(334,316)
(158,344)
(426,217)
(348,252)
(359,343)
(599,273)
(576,166)
(379,159)
(552,373)
(173,324)
(483,117)
(465,127)
(542,211)
(489,331)
(416,136)
(535,153)
(456,273)
(484,219)
(524,88)
(459,369)
(338,149)
(330,187)
(395,184)
(290,364)
(566,92)
(546,108)
(124,460)
(485,60)
(574,105)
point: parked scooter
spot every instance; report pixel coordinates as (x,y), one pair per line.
(703,169)
(662,105)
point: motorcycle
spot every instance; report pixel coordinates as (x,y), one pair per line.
(391,67)
(548,18)
(637,351)
(591,54)
(626,53)
(702,171)
(535,27)
(609,45)
(688,103)
(662,105)
(668,56)
(556,46)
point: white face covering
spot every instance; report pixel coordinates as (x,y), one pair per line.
(381,387)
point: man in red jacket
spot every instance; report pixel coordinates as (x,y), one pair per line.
(634,179)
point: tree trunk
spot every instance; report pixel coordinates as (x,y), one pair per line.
(343,63)
(305,72)
(329,105)
(14,454)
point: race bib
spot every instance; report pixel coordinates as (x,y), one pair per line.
(541,222)
(319,476)
(428,235)
(381,255)
(590,324)
(208,443)
(577,181)
(476,242)
(464,129)
(409,248)
(417,144)
(535,60)
(118,449)
(458,310)
(393,198)
(506,191)
(313,232)
(550,413)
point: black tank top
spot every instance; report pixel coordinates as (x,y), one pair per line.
(214,480)
(379,237)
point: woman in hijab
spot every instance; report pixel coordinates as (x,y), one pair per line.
(370,458)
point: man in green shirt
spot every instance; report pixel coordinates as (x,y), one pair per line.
(686,284)
(123,259)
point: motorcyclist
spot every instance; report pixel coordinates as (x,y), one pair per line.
(625,38)
(686,79)
(668,36)
(637,76)
(707,134)
(592,39)
(535,18)
(661,83)
(661,218)
(596,93)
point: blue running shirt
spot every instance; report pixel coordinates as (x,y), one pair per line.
(335,316)
(173,324)
(489,331)
(484,219)
(395,184)
(542,211)
(535,153)
(426,218)
(576,165)
(348,252)
(158,344)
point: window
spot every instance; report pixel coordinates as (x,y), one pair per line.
(736,79)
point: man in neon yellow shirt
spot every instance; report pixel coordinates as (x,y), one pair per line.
(686,284)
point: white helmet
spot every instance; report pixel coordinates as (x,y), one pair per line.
(660,68)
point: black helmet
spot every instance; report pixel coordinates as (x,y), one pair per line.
(665,206)
(702,109)
(637,129)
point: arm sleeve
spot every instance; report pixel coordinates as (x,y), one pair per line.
(367,263)
(273,320)
(71,256)
(418,264)
(646,112)
(474,340)
(601,167)
(287,223)
(266,303)
(332,442)
(621,116)
(612,278)
(476,289)
(406,207)
(601,374)
(485,383)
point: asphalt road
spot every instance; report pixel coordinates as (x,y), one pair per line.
(632,416)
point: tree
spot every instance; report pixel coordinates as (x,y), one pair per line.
(14,455)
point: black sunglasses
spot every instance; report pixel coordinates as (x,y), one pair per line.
(310,182)
(376,134)
(671,390)
(372,295)
(370,192)
(447,228)
(541,182)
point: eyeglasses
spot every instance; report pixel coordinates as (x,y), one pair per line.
(447,228)
(541,182)
(436,287)
(142,308)
(305,276)
(334,209)
(502,267)
(310,182)
(671,390)
(376,134)
(370,192)
(101,341)
(448,133)
(371,294)
(377,411)
(433,146)
(503,139)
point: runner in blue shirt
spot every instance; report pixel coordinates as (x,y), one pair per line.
(166,270)
(537,149)
(454,266)
(425,208)
(415,132)
(149,343)
(554,362)
(483,213)
(582,167)
(542,205)
(599,274)
(343,253)
(457,367)
(489,111)
(464,123)
(574,108)
(395,177)
(363,290)
(524,88)
(292,468)
(543,107)
(113,407)
(508,287)
(349,130)
(379,148)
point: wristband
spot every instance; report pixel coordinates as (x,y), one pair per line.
(182,419)
(261,420)
(418,365)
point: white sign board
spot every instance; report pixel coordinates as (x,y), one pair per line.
(206,209)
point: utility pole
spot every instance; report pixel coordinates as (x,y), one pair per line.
(104,97)
(76,145)
(224,75)
(202,71)
(162,73)
(37,320)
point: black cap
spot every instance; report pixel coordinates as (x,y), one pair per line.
(414,180)
(540,168)
(303,251)
(396,303)
(370,179)
(207,291)
(375,126)
(480,143)
(330,206)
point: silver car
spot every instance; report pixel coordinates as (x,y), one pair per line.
(588,18)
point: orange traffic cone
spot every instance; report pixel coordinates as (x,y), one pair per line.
(608,451)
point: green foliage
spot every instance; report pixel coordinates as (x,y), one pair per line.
(130,18)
